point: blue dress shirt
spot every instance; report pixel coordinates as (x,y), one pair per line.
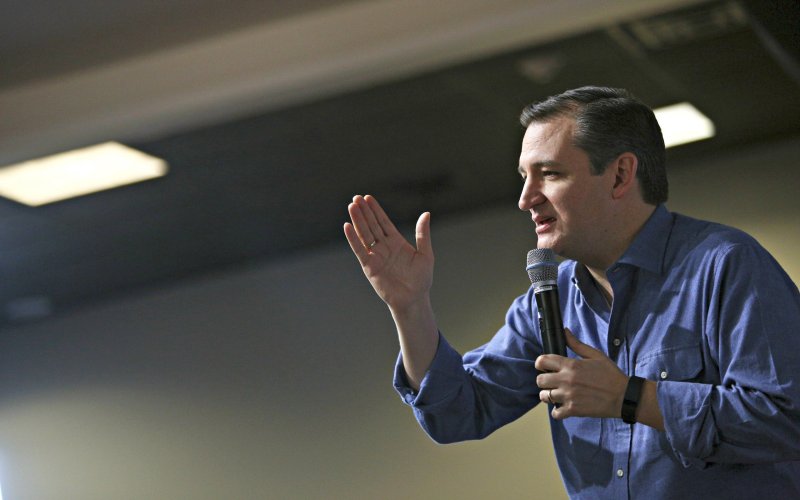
(700,308)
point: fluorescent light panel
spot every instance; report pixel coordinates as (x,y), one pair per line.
(683,123)
(76,173)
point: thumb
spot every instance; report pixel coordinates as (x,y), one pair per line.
(579,348)
(423,234)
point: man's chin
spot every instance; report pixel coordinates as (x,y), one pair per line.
(556,246)
(548,243)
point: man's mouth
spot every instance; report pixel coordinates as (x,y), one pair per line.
(542,220)
(543,223)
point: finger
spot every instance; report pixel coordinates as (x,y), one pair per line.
(559,412)
(581,349)
(386,224)
(548,396)
(355,243)
(546,380)
(423,234)
(360,224)
(549,362)
(372,221)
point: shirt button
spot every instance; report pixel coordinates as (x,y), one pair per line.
(620,472)
(617,342)
(664,374)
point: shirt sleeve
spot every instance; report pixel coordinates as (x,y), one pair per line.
(469,397)
(752,329)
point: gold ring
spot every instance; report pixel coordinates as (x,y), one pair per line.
(550,396)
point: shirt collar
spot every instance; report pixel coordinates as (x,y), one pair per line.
(650,244)
(646,251)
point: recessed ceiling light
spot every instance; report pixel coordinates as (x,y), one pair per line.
(683,123)
(78,172)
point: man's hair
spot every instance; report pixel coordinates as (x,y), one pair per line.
(610,122)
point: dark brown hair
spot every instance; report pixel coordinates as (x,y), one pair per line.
(610,122)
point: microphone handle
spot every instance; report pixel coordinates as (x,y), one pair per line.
(550,322)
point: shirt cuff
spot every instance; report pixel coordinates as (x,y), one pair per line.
(686,408)
(437,384)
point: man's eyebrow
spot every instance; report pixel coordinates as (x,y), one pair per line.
(539,164)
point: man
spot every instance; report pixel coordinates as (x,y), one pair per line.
(683,379)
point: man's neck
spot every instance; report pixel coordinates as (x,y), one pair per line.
(603,284)
(637,220)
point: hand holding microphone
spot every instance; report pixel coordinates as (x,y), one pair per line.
(596,388)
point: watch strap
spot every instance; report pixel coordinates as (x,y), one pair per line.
(631,399)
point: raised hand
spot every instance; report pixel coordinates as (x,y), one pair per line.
(400,273)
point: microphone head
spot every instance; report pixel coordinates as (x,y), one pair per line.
(542,267)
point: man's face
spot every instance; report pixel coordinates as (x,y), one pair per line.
(569,205)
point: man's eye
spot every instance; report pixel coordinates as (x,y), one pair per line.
(549,173)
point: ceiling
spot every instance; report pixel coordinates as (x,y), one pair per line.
(273,114)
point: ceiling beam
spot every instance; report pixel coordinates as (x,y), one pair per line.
(282,63)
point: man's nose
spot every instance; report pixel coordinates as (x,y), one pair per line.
(530,196)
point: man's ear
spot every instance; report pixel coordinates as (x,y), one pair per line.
(624,168)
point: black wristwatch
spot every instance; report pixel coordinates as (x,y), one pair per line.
(631,400)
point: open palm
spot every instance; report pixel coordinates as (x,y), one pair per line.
(400,273)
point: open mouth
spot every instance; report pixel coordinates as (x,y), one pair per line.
(543,223)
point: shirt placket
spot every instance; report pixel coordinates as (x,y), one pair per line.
(620,433)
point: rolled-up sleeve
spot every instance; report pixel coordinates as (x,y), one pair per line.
(462,398)
(436,387)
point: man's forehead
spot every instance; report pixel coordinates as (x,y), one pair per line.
(561,126)
(541,137)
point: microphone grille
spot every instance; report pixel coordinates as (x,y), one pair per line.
(542,267)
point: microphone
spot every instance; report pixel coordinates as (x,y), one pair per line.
(543,271)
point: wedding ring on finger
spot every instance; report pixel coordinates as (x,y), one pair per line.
(375,242)
(550,396)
